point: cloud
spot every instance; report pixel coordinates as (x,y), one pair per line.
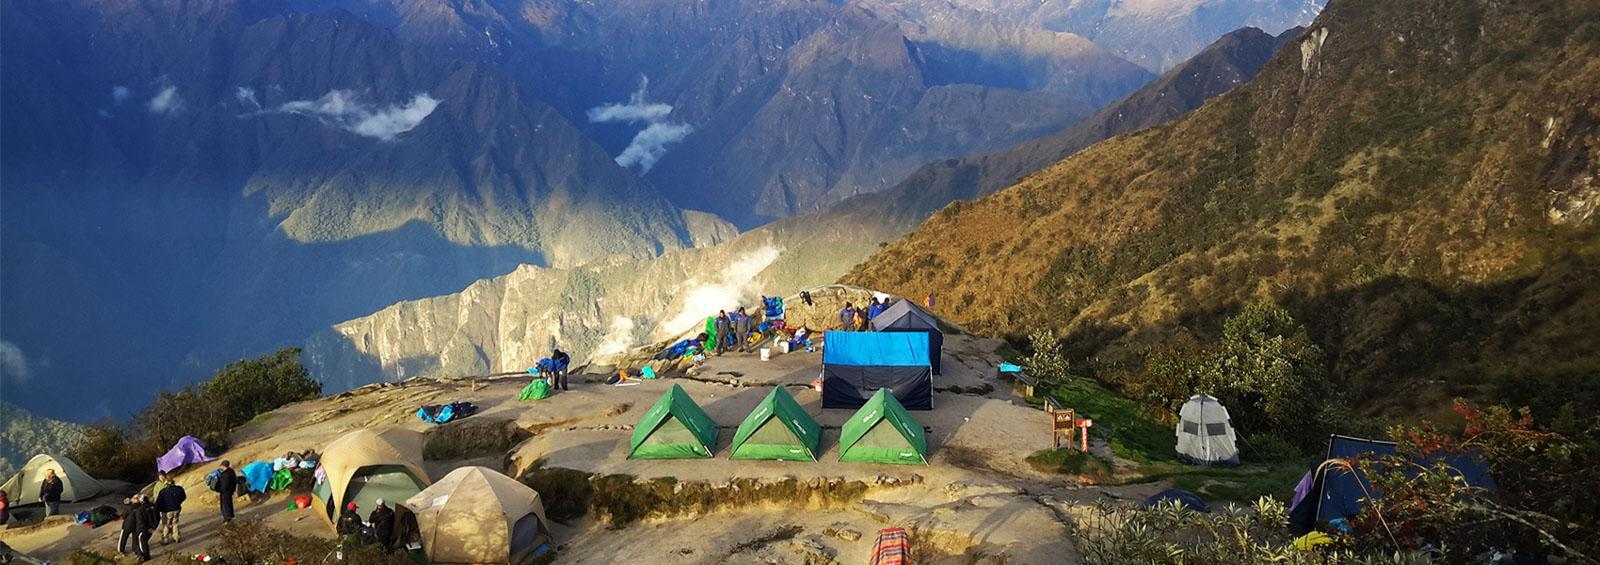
(733,285)
(650,143)
(247,94)
(617,339)
(166,101)
(635,110)
(345,110)
(119,94)
(13,365)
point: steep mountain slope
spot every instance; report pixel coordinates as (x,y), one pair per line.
(168,208)
(1416,180)
(23,435)
(507,322)
(1228,62)
(1154,34)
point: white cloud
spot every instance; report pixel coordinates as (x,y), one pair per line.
(650,143)
(618,338)
(13,365)
(119,94)
(345,110)
(733,286)
(636,109)
(166,101)
(247,94)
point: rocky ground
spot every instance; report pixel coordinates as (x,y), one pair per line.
(976,499)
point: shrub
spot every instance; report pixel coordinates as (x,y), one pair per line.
(1048,363)
(1069,461)
(248,541)
(244,389)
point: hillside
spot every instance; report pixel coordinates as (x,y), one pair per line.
(507,322)
(1416,181)
(23,435)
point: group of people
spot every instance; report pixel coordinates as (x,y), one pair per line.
(738,324)
(853,319)
(554,369)
(383,527)
(142,517)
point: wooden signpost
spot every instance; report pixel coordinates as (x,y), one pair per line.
(1063,423)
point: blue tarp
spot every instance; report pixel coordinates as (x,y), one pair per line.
(876,349)
(441,413)
(1009,368)
(258,474)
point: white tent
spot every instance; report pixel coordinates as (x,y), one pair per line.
(1205,435)
(23,488)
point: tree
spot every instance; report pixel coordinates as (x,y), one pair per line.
(244,389)
(1268,372)
(1047,363)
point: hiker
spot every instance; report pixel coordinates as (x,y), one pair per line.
(805,296)
(382,519)
(723,326)
(227,483)
(5,510)
(847,317)
(349,526)
(875,308)
(560,362)
(137,523)
(741,330)
(149,519)
(169,504)
(50,492)
(928,302)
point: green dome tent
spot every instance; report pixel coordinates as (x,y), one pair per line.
(675,428)
(778,429)
(883,432)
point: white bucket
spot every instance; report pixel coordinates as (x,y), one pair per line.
(766,353)
(783,346)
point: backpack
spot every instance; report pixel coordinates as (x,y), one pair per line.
(211,480)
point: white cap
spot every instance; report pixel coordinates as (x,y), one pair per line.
(380,502)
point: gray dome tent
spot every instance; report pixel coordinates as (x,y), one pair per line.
(1205,434)
(903,316)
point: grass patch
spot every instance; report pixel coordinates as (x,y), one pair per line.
(1070,461)
(1122,422)
(1239,484)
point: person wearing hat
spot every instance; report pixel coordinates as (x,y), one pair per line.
(349,525)
(382,519)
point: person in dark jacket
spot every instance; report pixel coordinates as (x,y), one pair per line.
(349,527)
(227,483)
(149,519)
(382,519)
(741,329)
(50,493)
(724,327)
(169,504)
(847,317)
(562,363)
(135,529)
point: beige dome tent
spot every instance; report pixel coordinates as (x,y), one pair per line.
(23,487)
(477,515)
(366,465)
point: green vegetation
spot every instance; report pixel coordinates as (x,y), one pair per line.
(1048,363)
(1070,461)
(236,395)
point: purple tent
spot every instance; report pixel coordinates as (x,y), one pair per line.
(188,450)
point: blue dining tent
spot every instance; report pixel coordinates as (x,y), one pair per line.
(856,364)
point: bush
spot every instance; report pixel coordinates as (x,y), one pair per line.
(248,541)
(244,389)
(1048,363)
(1172,534)
(1069,461)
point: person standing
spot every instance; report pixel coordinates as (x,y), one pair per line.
(169,504)
(148,520)
(847,316)
(562,362)
(724,328)
(382,519)
(50,493)
(227,483)
(741,329)
(131,516)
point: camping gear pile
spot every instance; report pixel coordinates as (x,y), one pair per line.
(539,389)
(76,485)
(856,364)
(442,413)
(97,516)
(187,451)
(682,349)
(1205,434)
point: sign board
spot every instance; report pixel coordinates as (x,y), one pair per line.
(1063,425)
